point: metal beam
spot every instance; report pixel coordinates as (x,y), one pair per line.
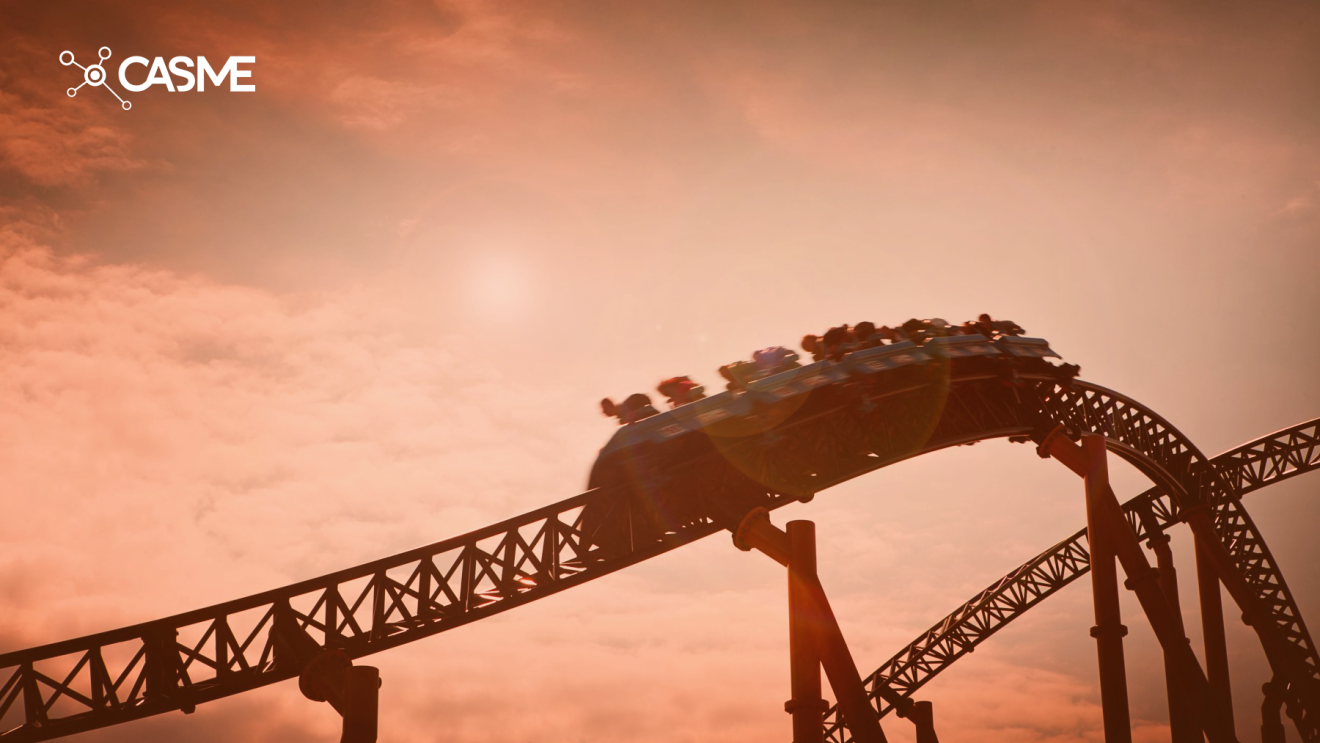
(1247,468)
(807,707)
(1109,629)
(1143,581)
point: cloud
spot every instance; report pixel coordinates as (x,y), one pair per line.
(173,442)
(151,404)
(47,138)
(61,147)
(736,175)
(1301,203)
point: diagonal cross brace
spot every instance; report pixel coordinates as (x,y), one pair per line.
(756,531)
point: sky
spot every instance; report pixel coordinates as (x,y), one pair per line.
(247,338)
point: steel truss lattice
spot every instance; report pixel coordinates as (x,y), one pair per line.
(1247,468)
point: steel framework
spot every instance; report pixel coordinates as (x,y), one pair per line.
(1246,468)
(181,661)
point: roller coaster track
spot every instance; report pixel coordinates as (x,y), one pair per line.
(181,661)
(1247,468)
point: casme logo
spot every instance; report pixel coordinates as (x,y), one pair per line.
(159,74)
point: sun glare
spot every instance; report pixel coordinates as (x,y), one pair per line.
(498,286)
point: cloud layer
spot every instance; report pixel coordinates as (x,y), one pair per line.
(249,338)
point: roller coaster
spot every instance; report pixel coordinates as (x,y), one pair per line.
(722,464)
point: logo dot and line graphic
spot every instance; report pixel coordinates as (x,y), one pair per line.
(93,74)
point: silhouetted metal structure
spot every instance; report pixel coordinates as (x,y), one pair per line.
(1246,468)
(672,481)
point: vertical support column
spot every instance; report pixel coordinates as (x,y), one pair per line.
(1212,627)
(806,706)
(1283,661)
(756,531)
(1180,719)
(1108,630)
(923,714)
(1142,578)
(353,692)
(361,704)
(1271,726)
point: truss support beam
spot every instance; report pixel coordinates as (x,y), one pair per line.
(1142,580)
(1212,629)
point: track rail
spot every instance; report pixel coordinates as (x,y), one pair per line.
(1246,468)
(188,659)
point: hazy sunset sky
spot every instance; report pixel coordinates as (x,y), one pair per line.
(250,338)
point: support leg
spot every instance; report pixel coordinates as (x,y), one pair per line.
(923,714)
(806,706)
(330,676)
(1108,630)
(1143,581)
(1212,627)
(361,704)
(756,531)
(1271,726)
(1180,722)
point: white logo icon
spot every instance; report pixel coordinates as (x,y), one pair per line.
(93,74)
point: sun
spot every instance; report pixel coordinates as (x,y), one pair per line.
(498,285)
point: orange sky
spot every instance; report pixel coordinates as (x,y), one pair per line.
(248,338)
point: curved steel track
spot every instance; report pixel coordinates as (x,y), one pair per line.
(1246,468)
(846,431)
